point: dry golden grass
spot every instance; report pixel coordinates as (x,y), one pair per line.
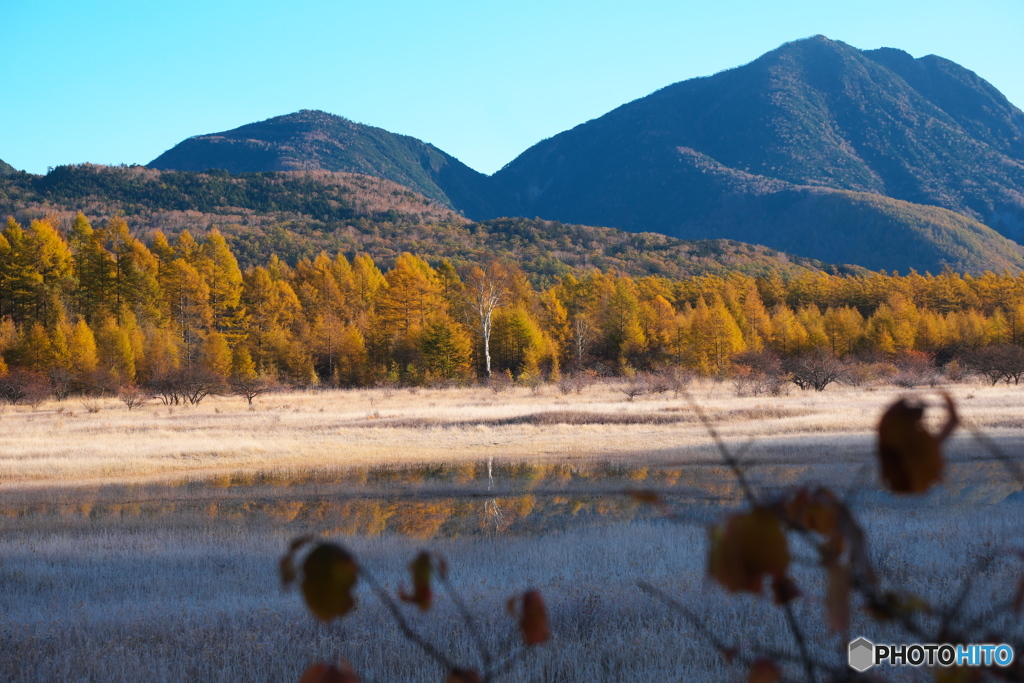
(64,444)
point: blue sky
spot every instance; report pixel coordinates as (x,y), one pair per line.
(120,82)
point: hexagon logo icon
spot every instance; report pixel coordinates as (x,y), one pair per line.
(862,654)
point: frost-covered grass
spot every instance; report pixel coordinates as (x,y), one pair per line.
(144,545)
(201,601)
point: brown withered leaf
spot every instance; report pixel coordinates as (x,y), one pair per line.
(463,676)
(286,566)
(764,671)
(329,575)
(534,619)
(910,455)
(747,547)
(328,673)
(815,511)
(784,590)
(422,568)
(837,597)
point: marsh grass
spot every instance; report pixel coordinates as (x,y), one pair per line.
(52,446)
(143,545)
(199,599)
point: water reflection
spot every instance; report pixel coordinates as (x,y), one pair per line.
(455,499)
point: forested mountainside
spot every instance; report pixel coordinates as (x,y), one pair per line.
(752,152)
(297,214)
(316,140)
(816,148)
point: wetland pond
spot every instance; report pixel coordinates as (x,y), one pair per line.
(448,500)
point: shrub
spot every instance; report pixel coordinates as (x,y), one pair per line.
(915,368)
(758,372)
(815,369)
(132,396)
(999,362)
(24,386)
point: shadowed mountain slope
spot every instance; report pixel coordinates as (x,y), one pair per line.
(815,148)
(296,214)
(315,140)
(812,114)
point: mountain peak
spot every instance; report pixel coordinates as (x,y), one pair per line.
(834,125)
(311,139)
(317,116)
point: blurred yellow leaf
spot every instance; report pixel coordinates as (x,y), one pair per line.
(329,575)
(534,619)
(957,674)
(422,568)
(814,511)
(837,597)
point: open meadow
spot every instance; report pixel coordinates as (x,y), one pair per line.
(143,544)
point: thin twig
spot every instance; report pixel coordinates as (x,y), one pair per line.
(953,610)
(706,633)
(723,450)
(504,665)
(403,624)
(801,641)
(467,618)
(1010,463)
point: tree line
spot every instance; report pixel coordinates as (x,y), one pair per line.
(93,308)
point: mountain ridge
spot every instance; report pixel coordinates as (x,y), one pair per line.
(747,153)
(296,214)
(315,140)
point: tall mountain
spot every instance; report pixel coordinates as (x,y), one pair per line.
(787,149)
(816,148)
(316,140)
(5,168)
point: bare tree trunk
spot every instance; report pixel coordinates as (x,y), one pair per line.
(488,290)
(487,354)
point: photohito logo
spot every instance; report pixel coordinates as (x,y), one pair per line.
(863,654)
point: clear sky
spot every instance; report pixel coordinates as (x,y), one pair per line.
(115,82)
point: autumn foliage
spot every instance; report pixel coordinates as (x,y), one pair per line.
(96,308)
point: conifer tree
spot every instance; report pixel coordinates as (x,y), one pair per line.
(82,352)
(412,294)
(216,355)
(55,267)
(35,351)
(114,351)
(223,278)
(445,349)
